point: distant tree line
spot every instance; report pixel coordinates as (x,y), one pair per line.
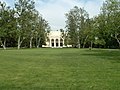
(101,31)
(22,26)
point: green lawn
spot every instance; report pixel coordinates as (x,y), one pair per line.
(59,69)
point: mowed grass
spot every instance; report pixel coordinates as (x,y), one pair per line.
(59,69)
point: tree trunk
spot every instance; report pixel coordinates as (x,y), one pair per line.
(3,44)
(118,43)
(85,42)
(38,43)
(31,42)
(91,44)
(20,41)
(117,40)
(78,43)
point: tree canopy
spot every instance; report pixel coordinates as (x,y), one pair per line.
(22,26)
(102,30)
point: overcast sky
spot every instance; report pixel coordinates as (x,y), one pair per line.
(54,10)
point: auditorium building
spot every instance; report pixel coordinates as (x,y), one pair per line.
(55,40)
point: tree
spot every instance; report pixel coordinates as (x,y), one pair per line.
(32,27)
(76,19)
(22,26)
(99,34)
(88,33)
(24,9)
(7,23)
(42,30)
(71,28)
(111,18)
(2,24)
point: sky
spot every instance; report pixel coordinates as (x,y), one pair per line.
(54,10)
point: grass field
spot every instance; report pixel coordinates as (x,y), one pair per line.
(59,69)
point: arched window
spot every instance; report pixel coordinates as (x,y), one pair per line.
(52,42)
(57,43)
(61,42)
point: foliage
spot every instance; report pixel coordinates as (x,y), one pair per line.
(75,24)
(83,30)
(7,23)
(111,18)
(22,26)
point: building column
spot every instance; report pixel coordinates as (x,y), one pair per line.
(54,42)
(63,42)
(50,43)
(58,42)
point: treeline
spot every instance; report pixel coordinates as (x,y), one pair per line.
(22,26)
(101,31)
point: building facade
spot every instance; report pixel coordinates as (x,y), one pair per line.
(55,40)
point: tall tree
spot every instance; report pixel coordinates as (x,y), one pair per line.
(76,19)
(7,23)
(23,11)
(99,33)
(111,18)
(41,31)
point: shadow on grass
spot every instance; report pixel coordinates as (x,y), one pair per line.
(112,55)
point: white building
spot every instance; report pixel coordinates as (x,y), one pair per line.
(55,40)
